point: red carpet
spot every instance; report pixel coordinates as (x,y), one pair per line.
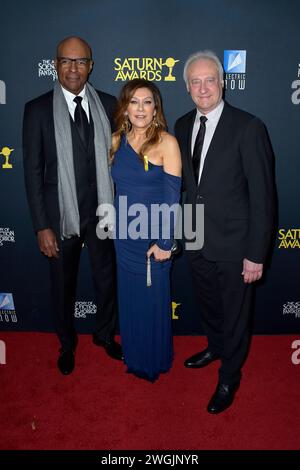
(101,407)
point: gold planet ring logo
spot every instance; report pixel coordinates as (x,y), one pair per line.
(6,151)
(170,62)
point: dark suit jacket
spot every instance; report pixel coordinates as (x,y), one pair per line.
(40,159)
(236,186)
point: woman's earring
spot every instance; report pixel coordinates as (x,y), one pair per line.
(126,125)
(154,121)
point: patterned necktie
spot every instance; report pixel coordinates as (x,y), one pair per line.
(81,121)
(198,147)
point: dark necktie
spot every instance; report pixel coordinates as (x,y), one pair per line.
(198,147)
(81,120)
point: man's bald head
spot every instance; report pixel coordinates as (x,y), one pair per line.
(74,41)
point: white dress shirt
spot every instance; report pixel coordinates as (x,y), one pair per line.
(72,105)
(211,124)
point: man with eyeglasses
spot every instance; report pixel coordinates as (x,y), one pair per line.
(227,167)
(66,140)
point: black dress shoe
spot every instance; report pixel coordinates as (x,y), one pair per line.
(66,362)
(222,398)
(201,359)
(112,348)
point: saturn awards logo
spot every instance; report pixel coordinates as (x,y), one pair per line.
(46,68)
(5,152)
(149,68)
(174,313)
(235,69)
(289,238)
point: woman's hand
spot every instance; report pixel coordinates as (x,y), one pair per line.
(159,255)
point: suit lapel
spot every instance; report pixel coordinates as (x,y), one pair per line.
(91,133)
(190,132)
(188,153)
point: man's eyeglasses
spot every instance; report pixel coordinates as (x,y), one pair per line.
(66,61)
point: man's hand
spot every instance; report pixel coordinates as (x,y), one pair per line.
(47,243)
(159,255)
(252,271)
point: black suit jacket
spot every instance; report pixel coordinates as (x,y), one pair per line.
(236,186)
(40,159)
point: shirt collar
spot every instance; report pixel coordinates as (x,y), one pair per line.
(213,115)
(70,96)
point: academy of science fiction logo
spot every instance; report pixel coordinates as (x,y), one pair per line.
(82,309)
(291,308)
(289,238)
(149,68)
(6,235)
(46,68)
(235,69)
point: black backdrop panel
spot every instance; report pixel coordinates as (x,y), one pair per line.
(135,38)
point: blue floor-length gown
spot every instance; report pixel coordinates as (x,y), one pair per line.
(144,312)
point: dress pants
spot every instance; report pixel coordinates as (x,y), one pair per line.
(225,304)
(64,273)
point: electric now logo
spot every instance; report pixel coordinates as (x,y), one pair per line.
(235,61)
(2,352)
(296,354)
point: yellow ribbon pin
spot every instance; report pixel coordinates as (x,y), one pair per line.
(146,166)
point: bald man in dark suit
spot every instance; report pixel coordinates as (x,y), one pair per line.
(66,178)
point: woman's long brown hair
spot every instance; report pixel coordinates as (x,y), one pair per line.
(154,131)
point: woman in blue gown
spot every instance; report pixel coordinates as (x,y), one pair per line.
(146,170)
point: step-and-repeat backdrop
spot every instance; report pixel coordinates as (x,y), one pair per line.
(258,42)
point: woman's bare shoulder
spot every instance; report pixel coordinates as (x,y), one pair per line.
(168,141)
(168,138)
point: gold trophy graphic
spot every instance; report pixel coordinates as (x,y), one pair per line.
(6,151)
(170,62)
(174,307)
